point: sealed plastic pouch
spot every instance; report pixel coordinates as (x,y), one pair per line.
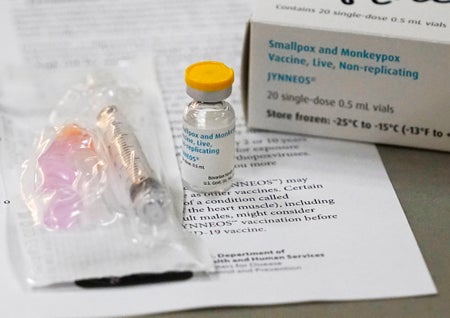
(102,188)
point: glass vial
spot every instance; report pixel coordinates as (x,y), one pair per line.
(208,145)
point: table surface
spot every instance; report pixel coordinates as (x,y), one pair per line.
(421,180)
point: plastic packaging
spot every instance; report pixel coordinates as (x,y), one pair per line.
(102,200)
(69,175)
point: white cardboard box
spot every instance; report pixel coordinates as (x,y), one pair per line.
(364,71)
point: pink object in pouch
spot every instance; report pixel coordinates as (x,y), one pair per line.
(67,166)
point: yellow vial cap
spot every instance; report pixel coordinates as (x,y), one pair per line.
(209,76)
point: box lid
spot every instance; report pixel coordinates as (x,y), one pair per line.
(424,20)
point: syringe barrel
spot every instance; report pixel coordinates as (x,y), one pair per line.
(146,192)
(123,146)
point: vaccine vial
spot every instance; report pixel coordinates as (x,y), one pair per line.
(208,146)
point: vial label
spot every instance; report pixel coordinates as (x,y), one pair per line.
(207,157)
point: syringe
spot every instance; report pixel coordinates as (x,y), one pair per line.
(146,192)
